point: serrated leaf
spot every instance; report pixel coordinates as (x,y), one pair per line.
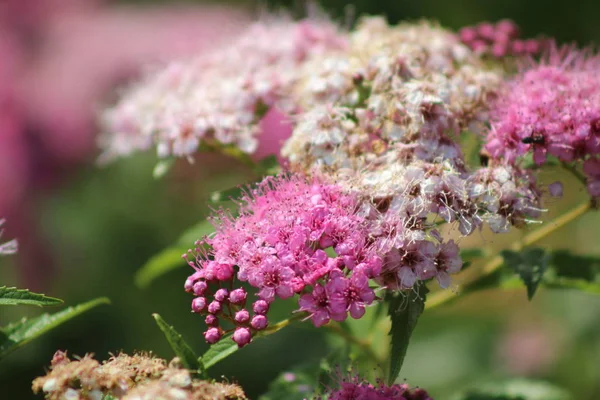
(219,351)
(530,265)
(404,312)
(20,333)
(14,296)
(182,350)
(170,259)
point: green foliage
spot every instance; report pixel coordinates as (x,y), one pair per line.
(182,350)
(20,333)
(170,258)
(308,379)
(572,271)
(404,312)
(518,389)
(529,264)
(219,351)
(14,296)
(227,194)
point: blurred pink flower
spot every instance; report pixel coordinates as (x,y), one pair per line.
(85,53)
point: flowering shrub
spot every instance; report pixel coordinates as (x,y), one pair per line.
(400,142)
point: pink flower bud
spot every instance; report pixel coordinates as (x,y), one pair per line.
(259,322)
(198,304)
(237,296)
(242,316)
(260,307)
(468,34)
(200,287)
(211,320)
(223,272)
(242,336)
(508,27)
(214,307)
(221,294)
(212,335)
(486,30)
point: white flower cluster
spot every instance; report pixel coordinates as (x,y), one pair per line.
(217,98)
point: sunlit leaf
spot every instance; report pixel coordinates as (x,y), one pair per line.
(518,389)
(530,265)
(20,333)
(219,351)
(182,350)
(14,296)
(170,259)
(404,311)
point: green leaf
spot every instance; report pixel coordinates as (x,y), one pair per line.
(517,389)
(14,296)
(471,254)
(170,259)
(219,351)
(530,265)
(572,271)
(268,166)
(182,350)
(404,311)
(162,167)
(20,333)
(228,194)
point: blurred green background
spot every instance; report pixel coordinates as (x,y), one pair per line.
(101,224)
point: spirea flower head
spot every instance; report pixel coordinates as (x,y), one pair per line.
(355,387)
(219,98)
(500,40)
(551,108)
(137,377)
(9,247)
(302,236)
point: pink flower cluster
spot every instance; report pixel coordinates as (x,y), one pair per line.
(499,40)
(552,108)
(317,240)
(293,237)
(357,388)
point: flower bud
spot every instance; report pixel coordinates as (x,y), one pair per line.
(237,296)
(198,304)
(260,307)
(242,316)
(214,307)
(259,322)
(242,336)
(211,320)
(212,335)
(221,294)
(200,287)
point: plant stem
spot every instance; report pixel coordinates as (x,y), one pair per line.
(496,261)
(282,324)
(348,337)
(575,172)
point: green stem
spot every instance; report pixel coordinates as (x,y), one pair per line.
(496,261)
(348,337)
(282,324)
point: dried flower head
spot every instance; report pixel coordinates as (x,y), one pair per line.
(141,377)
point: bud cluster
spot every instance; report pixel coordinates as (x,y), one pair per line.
(137,377)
